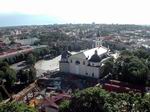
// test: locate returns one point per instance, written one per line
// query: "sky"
(19, 12)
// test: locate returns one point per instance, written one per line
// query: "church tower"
(98, 42)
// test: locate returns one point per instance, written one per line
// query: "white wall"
(64, 67)
(80, 69)
(83, 69)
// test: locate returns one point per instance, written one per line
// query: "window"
(92, 74)
(83, 62)
(77, 62)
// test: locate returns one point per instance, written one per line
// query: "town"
(49, 68)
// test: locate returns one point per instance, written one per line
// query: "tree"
(132, 70)
(3, 64)
(95, 99)
(64, 106)
(107, 68)
(32, 74)
(24, 76)
(16, 107)
(141, 53)
(2, 74)
(10, 76)
(31, 59)
(88, 100)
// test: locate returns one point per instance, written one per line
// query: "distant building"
(5, 40)
(29, 41)
(85, 63)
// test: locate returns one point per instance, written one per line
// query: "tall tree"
(132, 69)
(31, 59)
(32, 74)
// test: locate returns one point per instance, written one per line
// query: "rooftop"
(89, 53)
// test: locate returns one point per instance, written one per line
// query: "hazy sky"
(82, 11)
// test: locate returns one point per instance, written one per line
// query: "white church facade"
(86, 63)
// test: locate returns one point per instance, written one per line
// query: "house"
(86, 63)
(29, 41)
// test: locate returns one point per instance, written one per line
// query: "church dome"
(95, 58)
(65, 55)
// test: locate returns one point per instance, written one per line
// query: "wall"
(83, 69)
(64, 67)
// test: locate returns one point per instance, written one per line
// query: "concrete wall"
(80, 69)
(83, 68)
(64, 67)
(93, 71)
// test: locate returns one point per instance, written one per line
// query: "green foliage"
(32, 74)
(38, 53)
(16, 107)
(31, 59)
(95, 99)
(10, 76)
(7, 73)
(24, 76)
(1, 74)
(64, 106)
(107, 68)
(88, 100)
(126, 53)
(141, 53)
(132, 69)
(27, 76)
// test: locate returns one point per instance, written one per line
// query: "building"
(86, 63)
(29, 41)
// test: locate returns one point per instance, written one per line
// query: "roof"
(95, 58)
(65, 54)
(89, 53)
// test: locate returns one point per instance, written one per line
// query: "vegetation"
(31, 59)
(95, 99)
(8, 76)
(107, 68)
(16, 107)
(27, 76)
(6, 73)
(132, 67)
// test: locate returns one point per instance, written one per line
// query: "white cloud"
(100, 11)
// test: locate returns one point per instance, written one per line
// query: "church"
(86, 63)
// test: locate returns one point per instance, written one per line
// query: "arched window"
(77, 62)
